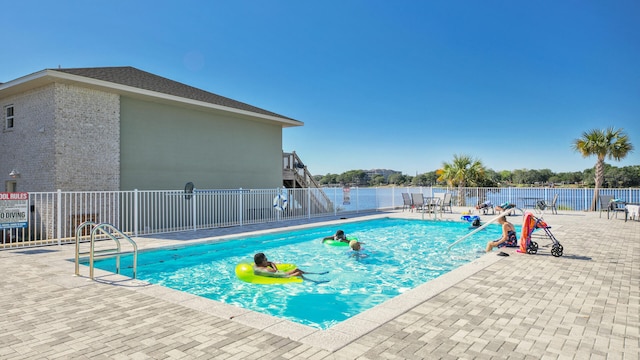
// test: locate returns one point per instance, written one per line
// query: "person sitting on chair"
(508, 238)
(484, 205)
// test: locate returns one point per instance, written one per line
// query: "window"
(8, 110)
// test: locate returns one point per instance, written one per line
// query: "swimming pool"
(401, 254)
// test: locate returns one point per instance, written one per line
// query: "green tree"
(399, 179)
(328, 179)
(610, 143)
(506, 176)
(463, 171)
(377, 180)
(353, 178)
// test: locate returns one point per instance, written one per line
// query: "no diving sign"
(14, 210)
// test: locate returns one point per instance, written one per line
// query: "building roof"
(130, 76)
(129, 80)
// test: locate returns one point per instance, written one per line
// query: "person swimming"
(356, 250)
(339, 236)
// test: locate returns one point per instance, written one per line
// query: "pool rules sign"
(14, 210)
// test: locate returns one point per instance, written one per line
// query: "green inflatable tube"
(340, 243)
(244, 272)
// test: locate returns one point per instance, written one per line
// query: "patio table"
(632, 210)
(531, 202)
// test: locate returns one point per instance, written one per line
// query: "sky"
(402, 85)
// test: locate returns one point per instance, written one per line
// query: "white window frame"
(9, 118)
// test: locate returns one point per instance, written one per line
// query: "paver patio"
(583, 305)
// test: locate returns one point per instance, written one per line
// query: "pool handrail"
(108, 230)
(78, 235)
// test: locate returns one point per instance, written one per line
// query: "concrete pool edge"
(331, 339)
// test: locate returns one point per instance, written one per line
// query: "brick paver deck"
(583, 305)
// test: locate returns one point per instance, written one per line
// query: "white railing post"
(335, 201)
(135, 212)
(241, 200)
(309, 202)
(59, 218)
(586, 201)
(393, 197)
(194, 209)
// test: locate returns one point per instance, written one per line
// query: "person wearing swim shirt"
(508, 238)
(265, 267)
(339, 236)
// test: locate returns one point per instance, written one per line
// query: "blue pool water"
(401, 254)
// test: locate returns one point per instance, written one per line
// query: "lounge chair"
(406, 202)
(485, 207)
(506, 207)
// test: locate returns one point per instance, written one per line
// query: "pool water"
(397, 255)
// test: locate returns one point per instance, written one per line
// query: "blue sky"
(401, 85)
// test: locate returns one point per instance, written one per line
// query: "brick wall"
(87, 139)
(28, 147)
(64, 137)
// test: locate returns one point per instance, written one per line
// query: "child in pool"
(339, 236)
(268, 268)
(356, 248)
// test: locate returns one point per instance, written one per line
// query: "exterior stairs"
(295, 175)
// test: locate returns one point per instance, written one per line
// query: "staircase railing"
(292, 164)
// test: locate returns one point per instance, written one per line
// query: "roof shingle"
(130, 76)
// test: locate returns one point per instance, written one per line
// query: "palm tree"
(610, 143)
(462, 171)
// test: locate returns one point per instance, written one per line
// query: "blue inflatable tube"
(470, 218)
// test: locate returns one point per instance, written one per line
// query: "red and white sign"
(14, 210)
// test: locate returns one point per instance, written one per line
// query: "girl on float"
(265, 267)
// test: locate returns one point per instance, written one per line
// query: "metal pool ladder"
(110, 232)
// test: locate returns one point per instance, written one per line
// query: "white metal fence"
(54, 216)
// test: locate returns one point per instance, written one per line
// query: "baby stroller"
(529, 225)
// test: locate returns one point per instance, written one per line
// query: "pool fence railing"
(54, 216)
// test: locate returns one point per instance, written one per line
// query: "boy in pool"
(339, 236)
(265, 267)
(356, 246)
